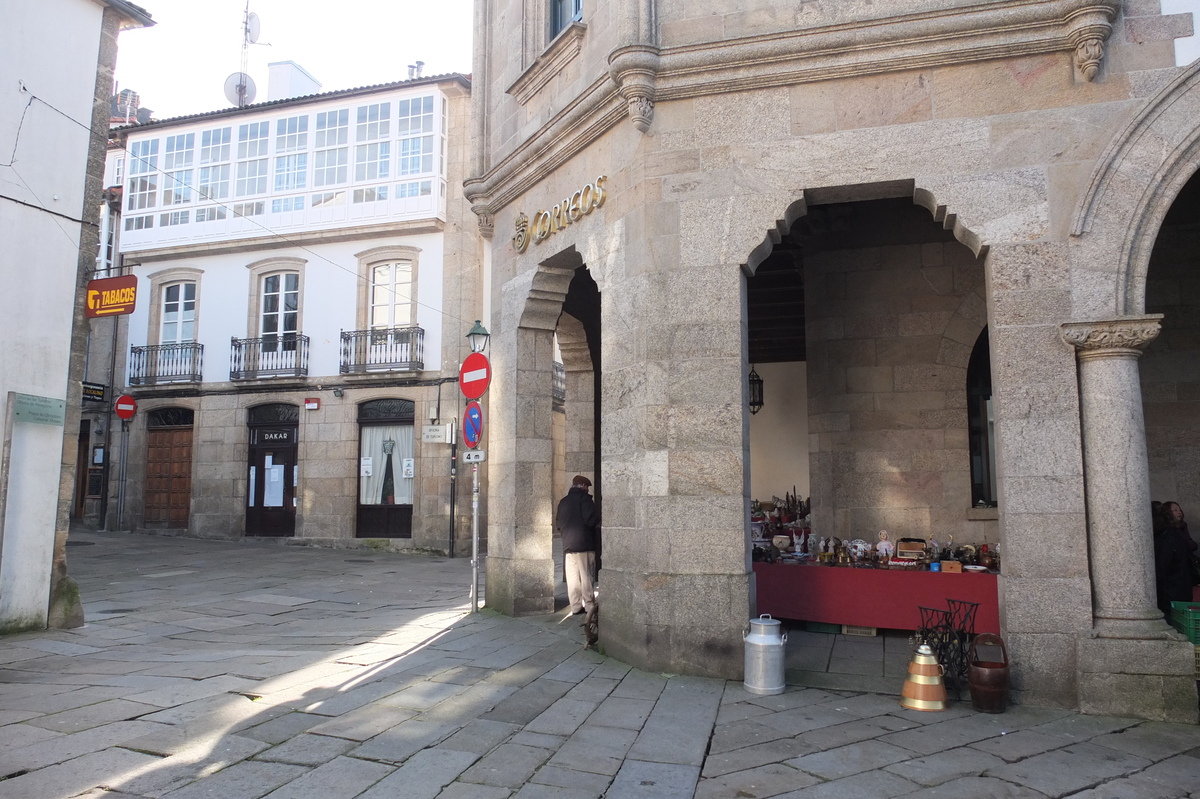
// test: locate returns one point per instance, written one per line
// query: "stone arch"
(866, 191)
(1133, 186)
(520, 564)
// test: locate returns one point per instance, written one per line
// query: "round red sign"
(126, 407)
(475, 375)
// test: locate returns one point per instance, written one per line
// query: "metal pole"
(108, 423)
(453, 482)
(475, 538)
(123, 473)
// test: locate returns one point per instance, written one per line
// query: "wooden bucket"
(988, 679)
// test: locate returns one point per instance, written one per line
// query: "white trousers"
(581, 593)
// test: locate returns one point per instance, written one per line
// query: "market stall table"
(887, 598)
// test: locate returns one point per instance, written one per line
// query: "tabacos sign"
(111, 296)
(571, 209)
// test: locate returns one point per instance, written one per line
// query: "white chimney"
(288, 79)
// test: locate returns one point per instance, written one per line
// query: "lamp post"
(477, 337)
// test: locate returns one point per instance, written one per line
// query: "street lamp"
(756, 391)
(478, 337)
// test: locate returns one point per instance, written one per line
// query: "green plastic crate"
(822, 627)
(1185, 617)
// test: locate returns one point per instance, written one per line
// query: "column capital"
(1127, 335)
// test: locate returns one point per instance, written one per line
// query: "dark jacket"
(1172, 567)
(577, 521)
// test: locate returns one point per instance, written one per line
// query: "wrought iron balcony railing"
(383, 349)
(560, 383)
(269, 356)
(166, 363)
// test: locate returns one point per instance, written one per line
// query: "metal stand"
(475, 538)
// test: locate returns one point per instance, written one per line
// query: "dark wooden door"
(271, 508)
(168, 477)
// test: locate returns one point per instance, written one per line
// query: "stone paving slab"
(1074, 768)
(75, 776)
(342, 777)
(346, 679)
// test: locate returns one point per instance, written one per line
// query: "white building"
(305, 284)
(55, 79)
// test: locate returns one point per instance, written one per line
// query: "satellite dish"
(239, 89)
(253, 27)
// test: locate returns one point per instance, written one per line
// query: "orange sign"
(111, 296)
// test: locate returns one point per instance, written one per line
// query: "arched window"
(981, 425)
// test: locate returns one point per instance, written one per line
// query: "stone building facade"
(307, 283)
(983, 211)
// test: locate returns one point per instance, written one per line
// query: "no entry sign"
(126, 407)
(473, 424)
(475, 375)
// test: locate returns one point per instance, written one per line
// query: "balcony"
(559, 386)
(385, 349)
(269, 356)
(166, 363)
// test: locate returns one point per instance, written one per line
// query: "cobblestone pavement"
(239, 670)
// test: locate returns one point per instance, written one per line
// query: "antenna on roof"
(239, 87)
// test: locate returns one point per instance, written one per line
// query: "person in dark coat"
(1172, 560)
(578, 522)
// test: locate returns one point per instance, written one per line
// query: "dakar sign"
(571, 209)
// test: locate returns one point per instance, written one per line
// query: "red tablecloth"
(870, 597)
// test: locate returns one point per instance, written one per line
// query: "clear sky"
(179, 66)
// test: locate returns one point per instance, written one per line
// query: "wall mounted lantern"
(756, 391)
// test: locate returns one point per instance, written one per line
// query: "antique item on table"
(952, 567)
(859, 549)
(985, 558)
(885, 548)
(910, 554)
(782, 542)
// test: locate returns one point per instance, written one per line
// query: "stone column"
(1120, 542)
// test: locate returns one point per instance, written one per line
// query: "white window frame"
(179, 312)
(332, 157)
(252, 164)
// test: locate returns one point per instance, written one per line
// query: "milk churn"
(764, 656)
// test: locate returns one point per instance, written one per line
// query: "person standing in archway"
(578, 522)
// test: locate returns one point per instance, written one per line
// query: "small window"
(563, 13)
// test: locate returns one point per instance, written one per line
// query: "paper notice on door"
(273, 489)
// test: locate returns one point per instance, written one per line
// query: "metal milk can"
(764, 656)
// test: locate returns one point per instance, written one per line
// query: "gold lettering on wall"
(571, 209)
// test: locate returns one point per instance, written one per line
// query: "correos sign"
(572, 209)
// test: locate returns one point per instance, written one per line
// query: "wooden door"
(168, 477)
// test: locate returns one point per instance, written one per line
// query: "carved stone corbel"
(487, 226)
(635, 70)
(487, 221)
(1089, 30)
